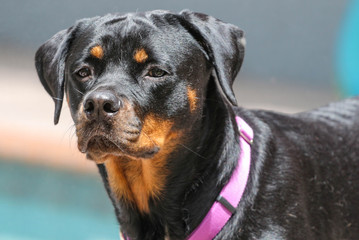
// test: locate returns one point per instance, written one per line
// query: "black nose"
(100, 105)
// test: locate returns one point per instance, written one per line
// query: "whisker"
(199, 155)
(70, 128)
(79, 91)
(67, 133)
(73, 130)
(149, 138)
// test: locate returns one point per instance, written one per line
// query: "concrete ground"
(26, 113)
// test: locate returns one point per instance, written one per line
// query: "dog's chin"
(100, 149)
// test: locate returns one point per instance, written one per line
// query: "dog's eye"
(84, 72)
(156, 72)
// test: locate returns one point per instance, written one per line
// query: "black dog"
(151, 97)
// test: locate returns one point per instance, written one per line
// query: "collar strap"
(226, 203)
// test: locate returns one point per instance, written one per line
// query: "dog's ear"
(50, 64)
(224, 44)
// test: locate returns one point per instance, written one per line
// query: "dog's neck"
(220, 150)
(179, 191)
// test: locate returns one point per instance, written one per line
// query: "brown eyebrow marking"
(97, 52)
(140, 55)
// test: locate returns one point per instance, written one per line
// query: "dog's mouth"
(100, 143)
(99, 146)
(125, 136)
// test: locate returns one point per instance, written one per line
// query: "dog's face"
(131, 88)
(136, 84)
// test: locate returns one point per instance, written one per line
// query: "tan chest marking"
(137, 180)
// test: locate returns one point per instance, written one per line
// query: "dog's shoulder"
(344, 113)
(330, 128)
(341, 114)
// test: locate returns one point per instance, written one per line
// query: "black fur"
(304, 177)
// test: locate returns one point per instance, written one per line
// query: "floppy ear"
(224, 44)
(50, 63)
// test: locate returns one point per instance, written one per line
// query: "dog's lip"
(98, 139)
(115, 148)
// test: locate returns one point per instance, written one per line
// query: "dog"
(151, 97)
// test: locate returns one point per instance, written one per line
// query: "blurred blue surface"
(348, 51)
(37, 203)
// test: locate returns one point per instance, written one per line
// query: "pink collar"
(225, 205)
(228, 199)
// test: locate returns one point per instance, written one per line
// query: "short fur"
(151, 97)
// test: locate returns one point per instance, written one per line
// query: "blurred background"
(300, 54)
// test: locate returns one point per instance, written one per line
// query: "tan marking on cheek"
(140, 55)
(192, 98)
(97, 52)
(154, 131)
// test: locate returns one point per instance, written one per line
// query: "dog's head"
(136, 83)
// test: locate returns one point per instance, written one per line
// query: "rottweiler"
(152, 101)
